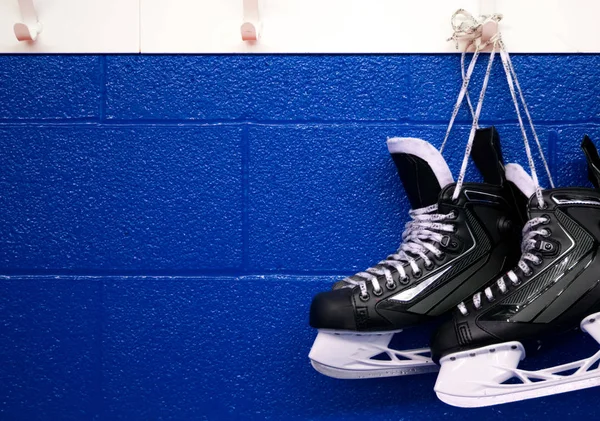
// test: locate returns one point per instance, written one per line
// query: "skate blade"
(547, 390)
(349, 355)
(478, 377)
(340, 373)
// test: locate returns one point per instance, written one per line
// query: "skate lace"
(528, 243)
(470, 25)
(470, 29)
(424, 233)
(530, 234)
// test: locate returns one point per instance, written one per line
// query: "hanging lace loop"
(530, 234)
(468, 97)
(474, 125)
(470, 29)
(425, 233)
(461, 95)
(526, 109)
(512, 81)
(466, 26)
(509, 78)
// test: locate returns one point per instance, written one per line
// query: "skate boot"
(450, 249)
(554, 287)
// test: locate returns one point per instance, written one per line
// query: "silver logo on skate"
(559, 200)
(478, 196)
(411, 293)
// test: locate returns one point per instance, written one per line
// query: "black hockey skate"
(450, 249)
(554, 287)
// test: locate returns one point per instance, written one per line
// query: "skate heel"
(480, 377)
(465, 372)
(345, 355)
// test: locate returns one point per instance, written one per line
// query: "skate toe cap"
(333, 310)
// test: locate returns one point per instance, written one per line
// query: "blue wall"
(165, 221)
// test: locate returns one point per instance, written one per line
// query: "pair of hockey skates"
(506, 261)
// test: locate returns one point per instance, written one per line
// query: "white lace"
(467, 28)
(470, 25)
(421, 235)
(529, 234)
(528, 243)
(462, 93)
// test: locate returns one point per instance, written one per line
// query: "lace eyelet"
(528, 273)
(547, 233)
(454, 229)
(544, 206)
(429, 266)
(404, 280)
(378, 292)
(364, 297)
(539, 261)
(445, 242)
(546, 219)
(417, 274)
(441, 256)
(453, 215)
(390, 286)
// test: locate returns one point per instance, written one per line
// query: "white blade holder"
(250, 29)
(30, 27)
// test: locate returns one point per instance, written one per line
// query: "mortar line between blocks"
(213, 275)
(114, 123)
(245, 150)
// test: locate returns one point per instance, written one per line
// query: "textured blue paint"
(49, 88)
(332, 209)
(51, 350)
(104, 200)
(557, 88)
(166, 220)
(257, 88)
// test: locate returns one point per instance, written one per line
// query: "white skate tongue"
(422, 169)
(517, 175)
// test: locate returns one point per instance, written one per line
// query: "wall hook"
(250, 29)
(30, 27)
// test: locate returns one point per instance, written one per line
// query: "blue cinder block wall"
(165, 221)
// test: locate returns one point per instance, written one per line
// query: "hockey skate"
(450, 249)
(461, 236)
(554, 287)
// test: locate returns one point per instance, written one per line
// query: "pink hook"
(30, 28)
(250, 27)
